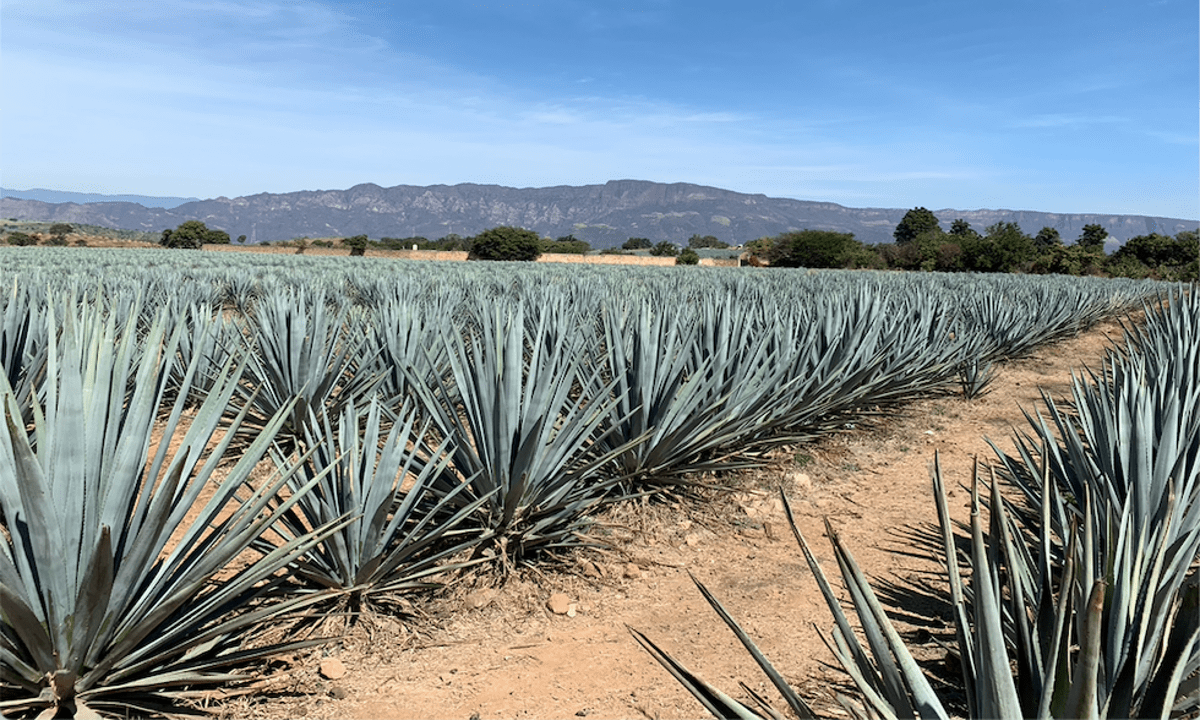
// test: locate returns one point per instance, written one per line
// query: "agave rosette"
(107, 593)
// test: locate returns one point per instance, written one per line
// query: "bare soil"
(482, 650)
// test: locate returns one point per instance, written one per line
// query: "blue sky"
(1053, 105)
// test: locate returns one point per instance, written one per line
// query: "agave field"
(197, 448)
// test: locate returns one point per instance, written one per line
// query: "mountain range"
(603, 215)
(63, 196)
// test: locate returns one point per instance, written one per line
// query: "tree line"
(498, 243)
(58, 233)
(920, 244)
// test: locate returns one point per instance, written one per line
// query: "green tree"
(962, 229)
(506, 243)
(1093, 236)
(940, 251)
(1154, 250)
(450, 242)
(21, 239)
(637, 243)
(192, 235)
(949, 257)
(758, 250)
(1126, 266)
(60, 231)
(1069, 260)
(1005, 248)
(1156, 255)
(815, 249)
(931, 250)
(567, 244)
(665, 249)
(357, 245)
(1047, 238)
(688, 257)
(915, 222)
(706, 241)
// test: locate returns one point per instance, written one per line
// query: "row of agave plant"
(1079, 595)
(411, 428)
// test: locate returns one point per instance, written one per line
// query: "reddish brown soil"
(498, 652)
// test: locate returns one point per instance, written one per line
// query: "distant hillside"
(59, 196)
(603, 215)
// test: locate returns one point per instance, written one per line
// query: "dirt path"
(503, 654)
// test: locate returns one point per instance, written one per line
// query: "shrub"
(506, 243)
(357, 245)
(664, 249)
(60, 230)
(451, 242)
(814, 249)
(567, 244)
(706, 241)
(688, 257)
(1161, 256)
(21, 239)
(192, 235)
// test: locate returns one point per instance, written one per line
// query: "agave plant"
(209, 339)
(1127, 457)
(303, 348)
(862, 350)
(975, 377)
(662, 395)
(1085, 600)
(108, 597)
(1007, 617)
(401, 531)
(23, 343)
(405, 342)
(523, 416)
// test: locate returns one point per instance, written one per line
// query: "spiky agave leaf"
(1127, 457)
(211, 339)
(100, 609)
(405, 341)
(401, 531)
(523, 416)
(712, 698)
(885, 672)
(975, 377)
(888, 678)
(305, 347)
(659, 396)
(23, 342)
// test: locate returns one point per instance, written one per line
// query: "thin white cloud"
(1067, 120)
(1172, 138)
